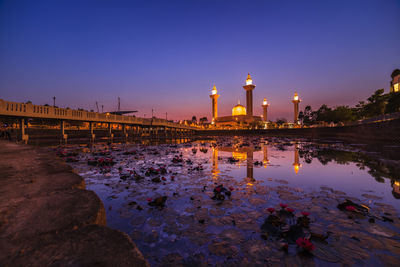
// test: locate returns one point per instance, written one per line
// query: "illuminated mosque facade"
(241, 116)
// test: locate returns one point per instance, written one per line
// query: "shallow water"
(194, 229)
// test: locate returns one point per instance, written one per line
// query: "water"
(194, 229)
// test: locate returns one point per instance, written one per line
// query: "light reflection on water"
(339, 174)
(255, 168)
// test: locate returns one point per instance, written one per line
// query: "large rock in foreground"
(47, 218)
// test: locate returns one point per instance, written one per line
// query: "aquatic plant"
(305, 244)
(271, 210)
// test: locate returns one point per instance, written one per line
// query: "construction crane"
(121, 112)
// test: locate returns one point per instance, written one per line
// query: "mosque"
(242, 117)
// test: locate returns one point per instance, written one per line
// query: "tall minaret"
(249, 87)
(265, 109)
(296, 100)
(214, 96)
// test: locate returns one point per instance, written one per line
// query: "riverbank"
(48, 218)
(385, 132)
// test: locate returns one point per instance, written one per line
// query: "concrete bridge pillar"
(124, 133)
(24, 137)
(164, 133)
(134, 132)
(141, 131)
(64, 137)
(91, 132)
(156, 132)
(110, 134)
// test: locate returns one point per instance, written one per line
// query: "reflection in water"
(265, 154)
(250, 173)
(296, 163)
(396, 189)
(247, 154)
(214, 171)
(307, 152)
(238, 153)
(377, 170)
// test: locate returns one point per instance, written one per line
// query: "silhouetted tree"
(280, 121)
(376, 104)
(203, 120)
(393, 103)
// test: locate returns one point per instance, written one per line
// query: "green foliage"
(377, 104)
(203, 120)
(393, 103)
(280, 121)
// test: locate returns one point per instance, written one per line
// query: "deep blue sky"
(167, 55)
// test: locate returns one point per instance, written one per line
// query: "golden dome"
(238, 110)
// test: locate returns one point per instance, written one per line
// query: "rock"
(373, 197)
(53, 221)
(172, 259)
(158, 202)
(87, 246)
(156, 180)
(223, 248)
(233, 236)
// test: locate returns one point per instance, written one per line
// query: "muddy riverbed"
(278, 203)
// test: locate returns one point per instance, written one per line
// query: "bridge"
(130, 125)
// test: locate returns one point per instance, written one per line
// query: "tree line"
(377, 104)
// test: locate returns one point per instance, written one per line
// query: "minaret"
(265, 109)
(214, 97)
(249, 87)
(296, 100)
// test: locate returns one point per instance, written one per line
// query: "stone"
(223, 248)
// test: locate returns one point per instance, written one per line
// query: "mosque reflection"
(242, 154)
(307, 153)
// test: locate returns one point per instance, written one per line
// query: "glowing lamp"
(296, 97)
(249, 81)
(265, 102)
(214, 90)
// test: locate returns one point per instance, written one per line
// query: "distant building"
(242, 117)
(395, 82)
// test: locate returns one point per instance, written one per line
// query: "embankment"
(48, 218)
(386, 132)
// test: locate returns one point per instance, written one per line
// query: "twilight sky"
(166, 55)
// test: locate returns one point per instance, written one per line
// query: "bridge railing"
(28, 110)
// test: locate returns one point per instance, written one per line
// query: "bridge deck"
(21, 110)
